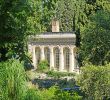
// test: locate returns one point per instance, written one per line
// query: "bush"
(12, 80)
(59, 74)
(32, 94)
(66, 95)
(48, 94)
(55, 93)
(95, 82)
(43, 65)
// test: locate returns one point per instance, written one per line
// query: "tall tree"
(18, 19)
(95, 46)
(47, 14)
(71, 14)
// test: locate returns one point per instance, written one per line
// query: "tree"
(17, 20)
(71, 14)
(74, 14)
(47, 14)
(95, 46)
(95, 5)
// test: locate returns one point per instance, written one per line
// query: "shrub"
(48, 94)
(55, 93)
(66, 95)
(59, 74)
(95, 81)
(43, 65)
(12, 80)
(32, 94)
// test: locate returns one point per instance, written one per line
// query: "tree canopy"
(17, 20)
(20, 18)
(95, 46)
(16, 17)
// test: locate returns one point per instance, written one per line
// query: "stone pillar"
(29, 48)
(34, 57)
(72, 62)
(51, 58)
(61, 65)
(42, 53)
(55, 25)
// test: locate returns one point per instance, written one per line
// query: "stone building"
(58, 48)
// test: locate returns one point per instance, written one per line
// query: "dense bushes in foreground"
(53, 93)
(12, 80)
(13, 85)
(95, 82)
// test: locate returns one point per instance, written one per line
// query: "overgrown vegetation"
(95, 46)
(95, 82)
(13, 85)
(90, 21)
(43, 65)
(53, 93)
(12, 80)
(32, 94)
(66, 95)
(59, 74)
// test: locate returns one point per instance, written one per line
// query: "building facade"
(58, 48)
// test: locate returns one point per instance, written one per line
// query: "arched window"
(66, 58)
(56, 58)
(37, 55)
(47, 54)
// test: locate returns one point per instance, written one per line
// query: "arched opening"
(56, 58)
(37, 55)
(66, 58)
(47, 54)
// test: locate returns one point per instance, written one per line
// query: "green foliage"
(95, 46)
(12, 80)
(43, 65)
(53, 93)
(65, 95)
(32, 94)
(47, 13)
(18, 19)
(74, 14)
(21, 18)
(95, 81)
(71, 14)
(59, 74)
(48, 94)
(95, 5)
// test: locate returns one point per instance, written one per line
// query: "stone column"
(29, 48)
(42, 53)
(51, 58)
(72, 62)
(34, 57)
(61, 65)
